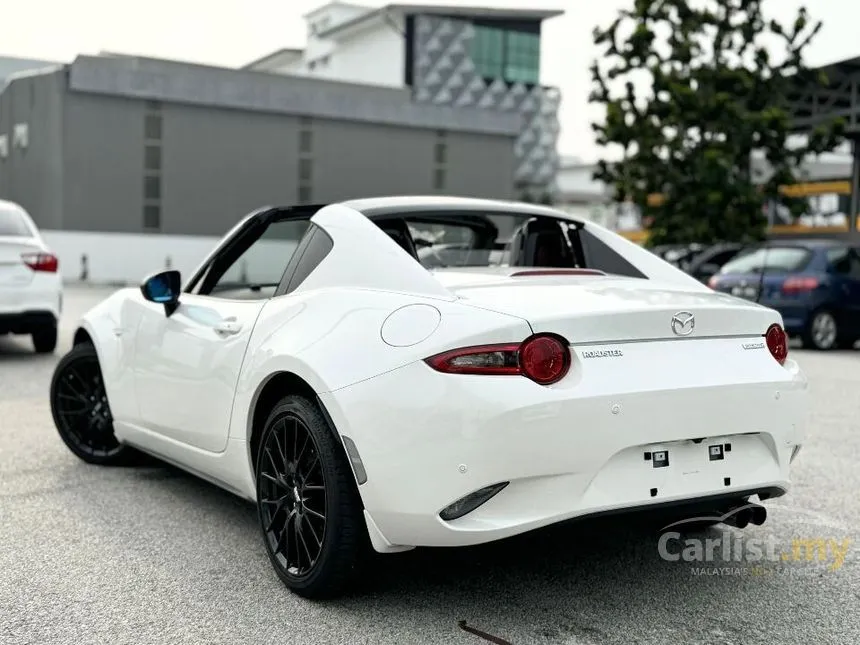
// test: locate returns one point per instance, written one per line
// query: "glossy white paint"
(23, 290)
(357, 331)
(410, 325)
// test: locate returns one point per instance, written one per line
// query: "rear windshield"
(770, 260)
(13, 224)
(473, 240)
(476, 239)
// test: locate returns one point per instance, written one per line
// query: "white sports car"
(552, 370)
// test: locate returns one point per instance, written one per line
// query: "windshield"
(13, 224)
(770, 260)
(478, 240)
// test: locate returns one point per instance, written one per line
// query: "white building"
(446, 55)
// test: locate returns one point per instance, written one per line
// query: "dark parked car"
(814, 284)
(680, 255)
(709, 262)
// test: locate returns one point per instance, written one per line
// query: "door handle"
(228, 327)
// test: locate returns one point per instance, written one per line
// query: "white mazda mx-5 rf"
(543, 369)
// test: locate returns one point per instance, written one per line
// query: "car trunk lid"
(14, 272)
(600, 309)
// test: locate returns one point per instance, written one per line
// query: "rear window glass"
(770, 260)
(13, 224)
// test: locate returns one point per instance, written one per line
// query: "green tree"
(691, 89)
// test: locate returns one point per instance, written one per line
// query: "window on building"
(510, 55)
(152, 158)
(151, 217)
(305, 140)
(441, 152)
(522, 57)
(152, 127)
(439, 179)
(488, 51)
(152, 188)
(305, 169)
(304, 194)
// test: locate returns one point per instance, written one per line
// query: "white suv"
(31, 291)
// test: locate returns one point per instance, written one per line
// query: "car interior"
(539, 242)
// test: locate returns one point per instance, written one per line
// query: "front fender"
(110, 326)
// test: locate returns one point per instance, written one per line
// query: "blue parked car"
(814, 284)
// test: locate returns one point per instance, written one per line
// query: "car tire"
(310, 512)
(81, 412)
(45, 340)
(822, 331)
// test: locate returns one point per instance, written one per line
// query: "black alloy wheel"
(81, 411)
(308, 504)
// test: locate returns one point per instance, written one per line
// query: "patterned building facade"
(495, 65)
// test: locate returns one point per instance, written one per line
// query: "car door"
(187, 363)
(852, 280)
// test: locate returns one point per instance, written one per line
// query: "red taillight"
(713, 282)
(45, 262)
(777, 343)
(799, 285)
(544, 359)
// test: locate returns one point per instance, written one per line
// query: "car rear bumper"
(26, 322)
(426, 440)
(38, 303)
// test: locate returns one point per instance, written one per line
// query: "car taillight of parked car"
(799, 285)
(42, 262)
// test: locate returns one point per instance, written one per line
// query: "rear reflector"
(543, 358)
(799, 285)
(470, 502)
(777, 343)
(42, 262)
(550, 272)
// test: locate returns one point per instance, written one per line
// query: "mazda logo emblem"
(683, 323)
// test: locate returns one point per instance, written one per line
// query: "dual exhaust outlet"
(744, 515)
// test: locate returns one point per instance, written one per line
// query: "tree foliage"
(691, 88)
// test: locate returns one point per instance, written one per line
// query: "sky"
(234, 32)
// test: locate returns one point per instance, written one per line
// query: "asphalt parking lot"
(151, 555)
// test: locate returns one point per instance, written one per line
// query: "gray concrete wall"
(103, 160)
(219, 164)
(85, 169)
(33, 176)
(481, 166)
(172, 81)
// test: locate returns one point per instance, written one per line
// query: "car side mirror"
(163, 288)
